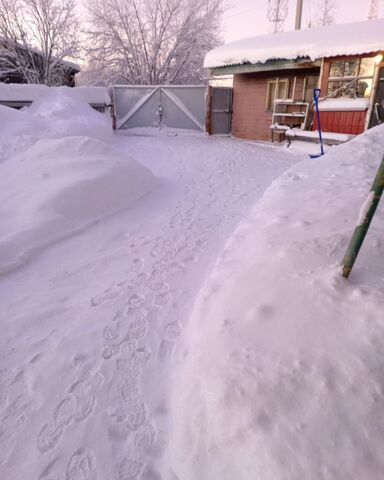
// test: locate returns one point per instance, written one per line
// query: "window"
(310, 83)
(277, 90)
(351, 78)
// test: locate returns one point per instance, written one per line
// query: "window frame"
(305, 84)
(352, 80)
(275, 82)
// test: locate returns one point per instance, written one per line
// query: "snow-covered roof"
(314, 43)
(344, 104)
(66, 63)
(22, 92)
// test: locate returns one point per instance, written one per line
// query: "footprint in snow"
(65, 412)
(49, 437)
(166, 349)
(144, 437)
(172, 330)
(80, 465)
(129, 469)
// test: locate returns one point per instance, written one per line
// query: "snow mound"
(281, 374)
(21, 92)
(59, 112)
(58, 187)
(66, 113)
(16, 92)
(94, 95)
(17, 122)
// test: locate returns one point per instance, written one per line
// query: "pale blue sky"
(246, 18)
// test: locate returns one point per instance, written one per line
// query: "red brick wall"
(250, 119)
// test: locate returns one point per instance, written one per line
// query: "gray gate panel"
(148, 106)
(191, 101)
(147, 115)
(174, 117)
(126, 97)
(221, 113)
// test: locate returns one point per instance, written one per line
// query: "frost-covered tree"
(373, 10)
(36, 37)
(277, 14)
(151, 41)
(326, 12)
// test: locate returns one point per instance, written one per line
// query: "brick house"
(274, 77)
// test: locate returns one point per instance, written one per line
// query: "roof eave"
(270, 66)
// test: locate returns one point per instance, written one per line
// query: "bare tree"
(36, 37)
(277, 14)
(326, 9)
(151, 41)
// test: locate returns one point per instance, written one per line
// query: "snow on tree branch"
(36, 39)
(151, 41)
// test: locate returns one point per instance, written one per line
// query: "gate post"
(365, 218)
(113, 110)
(208, 121)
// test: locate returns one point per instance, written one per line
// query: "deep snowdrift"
(60, 112)
(281, 375)
(63, 111)
(56, 186)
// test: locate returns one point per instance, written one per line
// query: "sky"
(247, 18)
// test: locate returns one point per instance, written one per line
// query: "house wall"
(352, 122)
(250, 118)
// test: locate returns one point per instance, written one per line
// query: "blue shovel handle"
(316, 96)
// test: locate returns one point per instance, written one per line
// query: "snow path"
(90, 327)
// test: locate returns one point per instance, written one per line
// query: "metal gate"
(220, 110)
(172, 106)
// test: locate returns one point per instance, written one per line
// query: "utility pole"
(299, 14)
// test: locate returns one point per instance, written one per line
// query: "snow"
(90, 325)
(56, 186)
(60, 112)
(343, 104)
(365, 209)
(60, 186)
(12, 92)
(64, 112)
(279, 373)
(95, 95)
(19, 92)
(114, 366)
(339, 137)
(314, 43)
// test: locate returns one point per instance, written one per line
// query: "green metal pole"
(367, 212)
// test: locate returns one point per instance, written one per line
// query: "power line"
(242, 12)
(277, 13)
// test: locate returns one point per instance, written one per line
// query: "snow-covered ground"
(281, 371)
(91, 324)
(147, 334)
